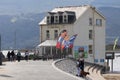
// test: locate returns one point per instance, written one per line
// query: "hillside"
(26, 28)
(112, 22)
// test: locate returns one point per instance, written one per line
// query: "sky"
(38, 6)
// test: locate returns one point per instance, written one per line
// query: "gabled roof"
(77, 10)
(99, 13)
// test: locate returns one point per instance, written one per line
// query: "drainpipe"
(93, 8)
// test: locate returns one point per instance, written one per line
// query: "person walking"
(26, 55)
(13, 55)
(18, 56)
(81, 65)
(8, 55)
(1, 57)
(78, 67)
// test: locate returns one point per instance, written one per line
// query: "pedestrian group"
(12, 56)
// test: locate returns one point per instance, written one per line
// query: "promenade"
(32, 70)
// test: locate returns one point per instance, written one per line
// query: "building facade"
(85, 21)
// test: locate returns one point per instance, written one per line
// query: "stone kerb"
(53, 64)
(95, 71)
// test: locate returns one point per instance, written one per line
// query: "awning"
(48, 43)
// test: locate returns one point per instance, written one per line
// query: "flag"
(65, 42)
(115, 43)
(71, 41)
(68, 43)
(61, 38)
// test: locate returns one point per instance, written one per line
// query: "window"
(90, 21)
(52, 19)
(48, 19)
(90, 49)
(90, 34)
(56, 19)
(47, 34)
(98, 22)
(65, 19)
(55, 34)
(71, 18)
(60, 19)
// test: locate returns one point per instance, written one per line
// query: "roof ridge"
(74, 6)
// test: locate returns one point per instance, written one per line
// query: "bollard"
(0, 58)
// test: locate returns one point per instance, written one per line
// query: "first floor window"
(90, 21)
(90, 34)
(55, 34)
(90, 49)
(47, 34)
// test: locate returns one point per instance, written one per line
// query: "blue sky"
(38, 6)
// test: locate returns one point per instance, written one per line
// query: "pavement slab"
(31, 70)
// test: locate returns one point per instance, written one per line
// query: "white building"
(85, 21)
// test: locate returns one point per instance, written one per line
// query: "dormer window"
(60, 17)
(52, 19)
(48, 20)
(68, 17)
(71, 18)
(65, 19)
(56, 19)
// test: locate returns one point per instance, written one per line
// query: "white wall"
(81, 27)
(51, 28)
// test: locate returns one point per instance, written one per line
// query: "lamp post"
(0, 52)
(0, 42)
(15, 40)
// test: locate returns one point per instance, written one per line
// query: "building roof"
(48, 43)
(78, 10)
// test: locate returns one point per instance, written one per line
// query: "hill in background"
(26, 29)
(112, 23)
(23, 29)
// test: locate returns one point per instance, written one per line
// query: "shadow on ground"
(3, 75)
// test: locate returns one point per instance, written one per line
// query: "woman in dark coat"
(18, 56)
(8, 55)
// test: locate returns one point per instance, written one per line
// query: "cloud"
(13, 20)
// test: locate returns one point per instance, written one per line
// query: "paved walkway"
(31, 70)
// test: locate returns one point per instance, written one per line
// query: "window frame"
(90, 21)
(56, 19)
(48, 19)
(65, 18)
(55, 34)
(98, 22)
(90, 47)
(47, 34)
(90, 34)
